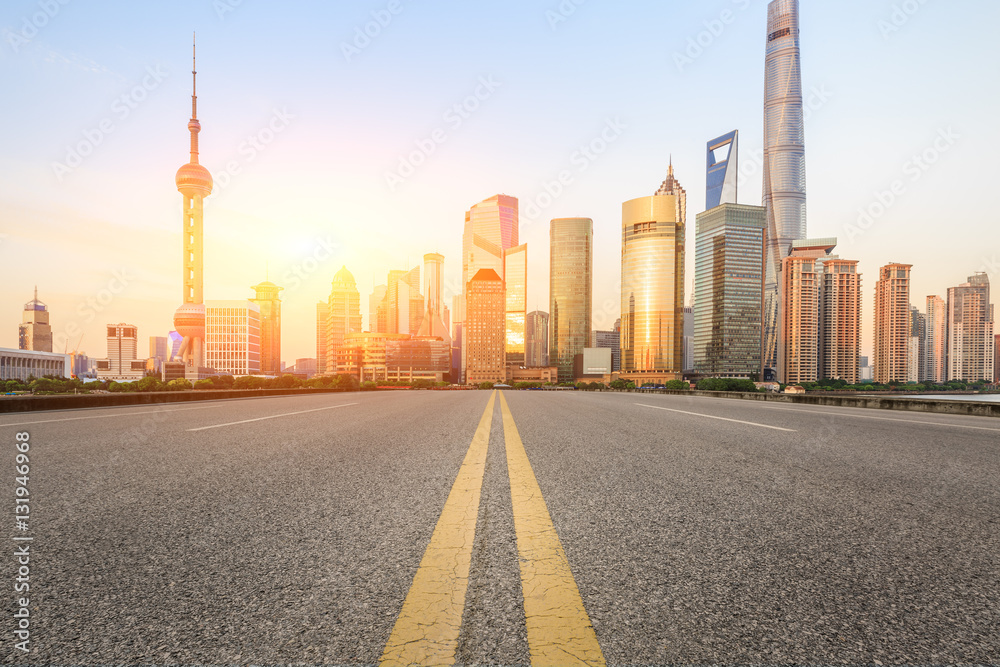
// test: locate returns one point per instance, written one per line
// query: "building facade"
(571, 287)
(537, 343)
(784, 156)
(892, 324)
(936, 344)
(728, 287)
(799, 310)
(268, 298)
(343, 316)
(35, 331)
(515, 263)
(652, 301)
(232, 337)
(840, 321)
(123, 363)
(609, 340)
(918, 338)
(23, 364)
(322, 327)
(485, 329)
(434, 323)
(970, 330)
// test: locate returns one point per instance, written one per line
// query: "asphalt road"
(697, 530)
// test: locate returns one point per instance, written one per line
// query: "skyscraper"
(491, 229)
(840, 321)
(537, 345)
(515, 270)
(194, 182)
(892, 324)
(344, 315)
(376, 307)
(268, 299)
(918, 344)
(404, 304)
(485, 329)
(936, 357)
(970, 330)
(35, 333)
(571, 288)
(433, 324)
(722, 177)
(799, 310)
(652, 302)
(322, 327)
(232, 337)
(728, 285)
(784, 156)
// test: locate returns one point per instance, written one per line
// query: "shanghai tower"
(784, 159)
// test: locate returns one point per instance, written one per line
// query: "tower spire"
(194, 126)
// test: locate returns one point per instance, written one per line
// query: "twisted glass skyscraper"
(784, 157)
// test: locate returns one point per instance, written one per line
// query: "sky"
(359, 132)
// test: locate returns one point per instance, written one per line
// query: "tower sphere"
(189, 320)
(195, 178)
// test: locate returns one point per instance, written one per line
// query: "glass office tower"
(515, 265)
(784, 157)
(653, 230)
(571, 289)
(728, 284)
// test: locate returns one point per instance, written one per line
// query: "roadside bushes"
(727, 384)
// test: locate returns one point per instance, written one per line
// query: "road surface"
(626, 528)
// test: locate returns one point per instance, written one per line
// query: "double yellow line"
(428, 626)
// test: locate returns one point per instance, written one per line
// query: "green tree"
(485, 385)
(202, 385)
(368, 385)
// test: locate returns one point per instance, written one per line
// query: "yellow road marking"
(426, 631)
(559, 629)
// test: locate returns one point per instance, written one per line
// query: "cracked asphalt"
(696, 531)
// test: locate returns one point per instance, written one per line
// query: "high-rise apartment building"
(936, 344)
(784, 156)
(970, 330)
(996, 358)
(571, 287)
(892, 324)
(799, 310)
(515, 263)
(344, 315)
(232, 337)
(485, 328)
(268, 298)
(122, 364)
(918, 343)
(840, 321)
(35, 332)
(537, 335)
(728, 287)
(652, 301)
(322, 328)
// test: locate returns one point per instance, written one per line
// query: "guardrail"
(76, 401)
(979, 409)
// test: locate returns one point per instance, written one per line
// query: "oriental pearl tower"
(195, 183)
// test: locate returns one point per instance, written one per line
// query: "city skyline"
(98, 277)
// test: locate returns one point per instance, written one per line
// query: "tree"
(677, 385)
(180, 384)
(148, 383)
(485, 385)
(369, 386)
(202, 385)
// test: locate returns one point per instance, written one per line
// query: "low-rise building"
(22, 364)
